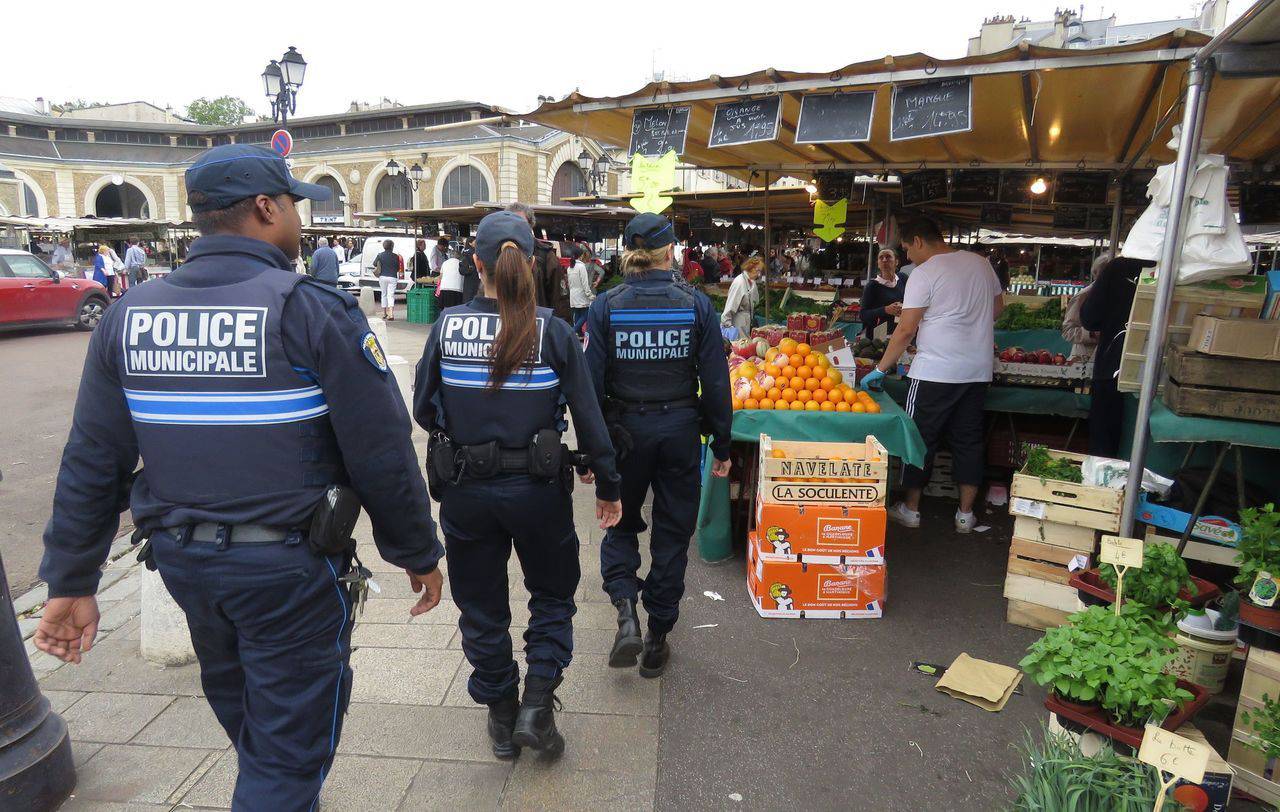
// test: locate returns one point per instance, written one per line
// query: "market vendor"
(744, 295)
(882, 297)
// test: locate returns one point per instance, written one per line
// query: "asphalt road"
(41, 372)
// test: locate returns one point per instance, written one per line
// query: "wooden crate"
(1231, 297)
(1042, 593)
(1080, 539)
(1196, 550)
(1066, 502)
(1033, 615)
(1232, 404)
(1261, 678)
(1191, 368)
(1044, 561)
(834, 473)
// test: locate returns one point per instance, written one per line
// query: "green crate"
(422, 304)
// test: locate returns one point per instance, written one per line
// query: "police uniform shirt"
(452, 390)
(338, 365)
(653, 336)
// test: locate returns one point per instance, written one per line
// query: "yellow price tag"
(649, 178)
(1177, 755)
(828, 218)
(1120, 551)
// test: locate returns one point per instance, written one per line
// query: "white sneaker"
(903, 515)
(965, 522)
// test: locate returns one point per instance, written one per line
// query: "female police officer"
(651, 342)
(491, 387)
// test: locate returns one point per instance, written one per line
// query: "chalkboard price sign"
(745, 122)
(829, 118)
(1259, 205)
(975, 186)
(993, 215)
(1075, 218)
(1015, 186)
(1081, 188)
(922, 187)
(931, 108)
(833, 184)
(1133, 189)
(658, 130)
(700, 220)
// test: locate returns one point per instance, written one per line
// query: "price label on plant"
(1027, 507)
(1177, 755)
(1121, 552)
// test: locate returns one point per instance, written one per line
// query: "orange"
(812, 406)
(834, 374)
(804, 371)
(774, 393)
(873, 408)
(757, 392)
(772, 370)
(781, 405)
(804, 396)
(811, 360)
(858, 408)
(819, 395)
(788, 372)
(828, 406)
(828, 383)
(841, 406)
(804, 349)
(788, 394)
(737, 404)
(812, 384)
(766, 403)
(796, 383)
(778, 454)
(823, 362)
(851, 396)
(797, 406)
(751, 403)
(747, 370)
(796, 360)
(787, 346)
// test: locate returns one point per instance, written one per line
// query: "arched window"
(569, 182)
(464, 186)
(123, 200)
(331, 210)
(30, 203)
(394, 193)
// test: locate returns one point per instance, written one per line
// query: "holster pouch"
(333, 522)
(142, 536)
(442, 463)
(619, 435)
(482, 461)
(545, 454)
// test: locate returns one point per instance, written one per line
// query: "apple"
(1018, 357)
(1046, 357)
(1060, 360)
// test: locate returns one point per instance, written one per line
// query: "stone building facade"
(68, 167)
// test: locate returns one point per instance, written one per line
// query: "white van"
(357, 272)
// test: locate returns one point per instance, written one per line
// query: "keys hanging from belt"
(359, 581)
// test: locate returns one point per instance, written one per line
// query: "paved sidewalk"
(144, 738)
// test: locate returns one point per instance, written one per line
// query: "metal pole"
(1170, 256)
(871, 238)
(767, 241)
(1113, 239)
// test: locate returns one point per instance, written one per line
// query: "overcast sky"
(503, 53)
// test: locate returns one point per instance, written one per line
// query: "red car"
(33, 293)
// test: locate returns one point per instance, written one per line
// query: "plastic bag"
(1108, 473)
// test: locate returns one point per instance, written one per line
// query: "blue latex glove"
(874, 381)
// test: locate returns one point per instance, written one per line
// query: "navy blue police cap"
(232, 172)
(648, 231)
(499, 228)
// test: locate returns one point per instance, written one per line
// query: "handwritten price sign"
(1121, 552)
(1177, 755)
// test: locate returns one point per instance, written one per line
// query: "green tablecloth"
(1167, 427)
(892, 427)
(1018, 399)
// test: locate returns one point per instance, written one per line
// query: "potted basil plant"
(1259, 558)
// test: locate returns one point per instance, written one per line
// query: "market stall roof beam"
(1157, 81)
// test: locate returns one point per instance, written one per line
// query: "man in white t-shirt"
(950, 306)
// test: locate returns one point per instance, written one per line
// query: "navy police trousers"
(272, 631)
(665, 458)
(482, 520)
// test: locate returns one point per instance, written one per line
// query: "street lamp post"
(596, 169)
(281, 80)
(414, 173)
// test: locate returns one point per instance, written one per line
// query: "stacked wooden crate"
(1255, 773)
(1056, 526)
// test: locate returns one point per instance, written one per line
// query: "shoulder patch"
(373, 352)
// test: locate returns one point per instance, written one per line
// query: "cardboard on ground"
(1170, 753)
(1120, 551)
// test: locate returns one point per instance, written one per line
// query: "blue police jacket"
(453, 394)
(247, 390)
(642, 339)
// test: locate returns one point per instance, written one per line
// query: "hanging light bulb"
(1039, 186)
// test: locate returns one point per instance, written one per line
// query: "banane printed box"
(796, 589)
(822, 534)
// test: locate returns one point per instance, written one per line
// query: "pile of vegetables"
(1157, 583)
(870, 348)
(1115, 660)
(1057, 777)
(1045, 466)
(1018, 316)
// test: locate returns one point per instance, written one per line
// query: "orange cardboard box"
(822, 534)
(799, 589)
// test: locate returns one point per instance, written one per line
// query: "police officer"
(491, 387)
(651, 341)
(263, 407)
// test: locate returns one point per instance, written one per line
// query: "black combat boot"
(536, 721)
(627, 643)
(502, 719)
(656, 653)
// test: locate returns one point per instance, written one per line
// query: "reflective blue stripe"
(652, 317)
(226, 408)
(539, 374)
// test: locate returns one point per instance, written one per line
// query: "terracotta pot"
(1078, 707)
(1260, 617)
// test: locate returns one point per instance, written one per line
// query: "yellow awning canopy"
(1100, 108)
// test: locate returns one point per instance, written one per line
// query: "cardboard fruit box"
(804, 473)
(823, 534)
(795, 589)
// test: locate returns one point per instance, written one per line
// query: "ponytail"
(518, 334)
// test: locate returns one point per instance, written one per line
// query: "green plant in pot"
(1265, 723)
(1056, 776)
(1162, 576)
(1113, 660)
(1259, 553)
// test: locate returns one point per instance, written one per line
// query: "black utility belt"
(448, 463)
(649, 406)
(219, 533)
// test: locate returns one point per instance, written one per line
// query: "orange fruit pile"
(805, 381)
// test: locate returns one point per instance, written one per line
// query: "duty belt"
(217, 533)
(658, 406)
(510, 461)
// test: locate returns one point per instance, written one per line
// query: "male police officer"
(650, 342)
(250, 392)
